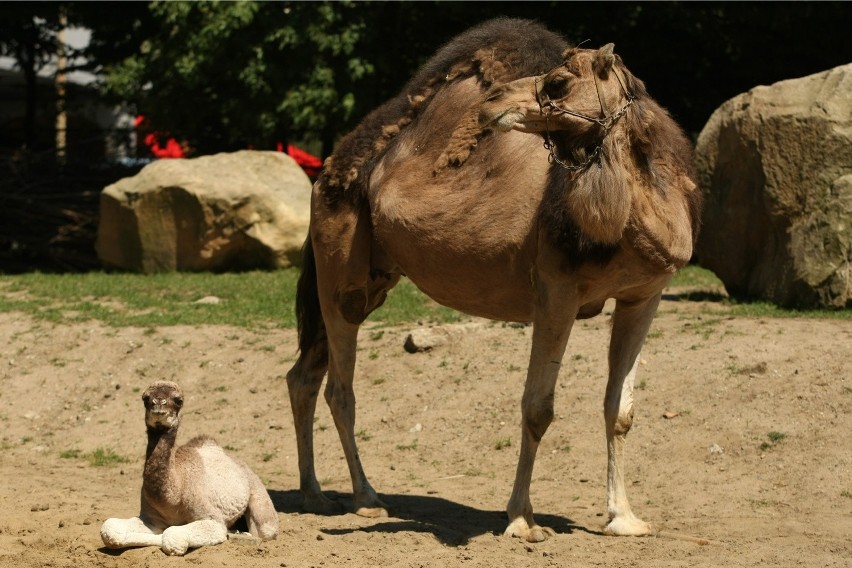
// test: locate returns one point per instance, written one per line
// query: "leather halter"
(607, 121)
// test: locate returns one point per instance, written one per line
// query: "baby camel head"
(163, 402)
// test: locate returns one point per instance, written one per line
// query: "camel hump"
(496, 51)
(199, 441)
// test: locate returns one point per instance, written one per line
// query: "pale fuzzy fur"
(192, 494)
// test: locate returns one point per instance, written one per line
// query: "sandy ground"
(439, 437)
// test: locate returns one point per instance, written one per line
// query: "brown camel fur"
(482, 218)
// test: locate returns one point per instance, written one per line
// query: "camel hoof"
(520, 529)
(372, 512)
(628, 526)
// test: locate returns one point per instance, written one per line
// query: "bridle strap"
(601, 99)
(607, 122)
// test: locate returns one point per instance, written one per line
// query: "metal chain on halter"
(606, 122)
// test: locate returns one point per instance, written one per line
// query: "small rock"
(668, 415)
(40, 507)
(423, 340)
(320, 537)
(212, 300)
(416, 428)
(716, 449)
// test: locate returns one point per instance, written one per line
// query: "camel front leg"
(550, 336)
(126, 533)
(630, 323)
(178, 539)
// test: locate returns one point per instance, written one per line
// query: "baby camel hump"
(225, 483)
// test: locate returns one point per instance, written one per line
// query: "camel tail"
(308, 315)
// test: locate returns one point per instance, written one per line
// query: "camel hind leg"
(304, 381)
(343, 286)
(261, 516)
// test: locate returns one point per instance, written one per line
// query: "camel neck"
(158, 456)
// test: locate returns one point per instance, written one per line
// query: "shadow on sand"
(453, 524)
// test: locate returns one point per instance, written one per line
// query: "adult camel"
(513, 179)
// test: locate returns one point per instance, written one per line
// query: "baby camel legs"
(174, 541)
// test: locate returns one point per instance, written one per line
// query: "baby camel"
(191, 494)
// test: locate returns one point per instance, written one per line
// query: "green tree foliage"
(228, 75)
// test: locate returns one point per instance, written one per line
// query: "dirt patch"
(741, 437)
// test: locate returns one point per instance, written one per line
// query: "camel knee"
(620, 421)
(267, 531)
(114, 533)
(537, 418)
(353, 306)
(302, 382)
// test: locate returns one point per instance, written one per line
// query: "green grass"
(105, 457)
(101, 457)
(695, 276)
(249, 299)
(774, 439)
(704, 285)
(265, 299)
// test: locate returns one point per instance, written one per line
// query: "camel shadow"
(453, 524)
(695, 296)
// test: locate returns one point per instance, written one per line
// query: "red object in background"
(172, 149)
(310, 163)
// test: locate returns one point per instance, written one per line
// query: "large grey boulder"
(239, 210)
(776, 167)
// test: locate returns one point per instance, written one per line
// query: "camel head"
(579, 97)
(163, 402)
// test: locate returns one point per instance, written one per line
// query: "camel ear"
(604, 60)
(568, 53)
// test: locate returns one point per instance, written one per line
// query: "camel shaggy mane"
(494, 52)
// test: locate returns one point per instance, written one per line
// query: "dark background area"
(693, 56)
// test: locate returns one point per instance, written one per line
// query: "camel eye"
(556, 87)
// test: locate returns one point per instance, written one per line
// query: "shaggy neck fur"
(598, 197)
(642, 188)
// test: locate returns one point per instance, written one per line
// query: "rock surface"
(231, 211)
(776, 167)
